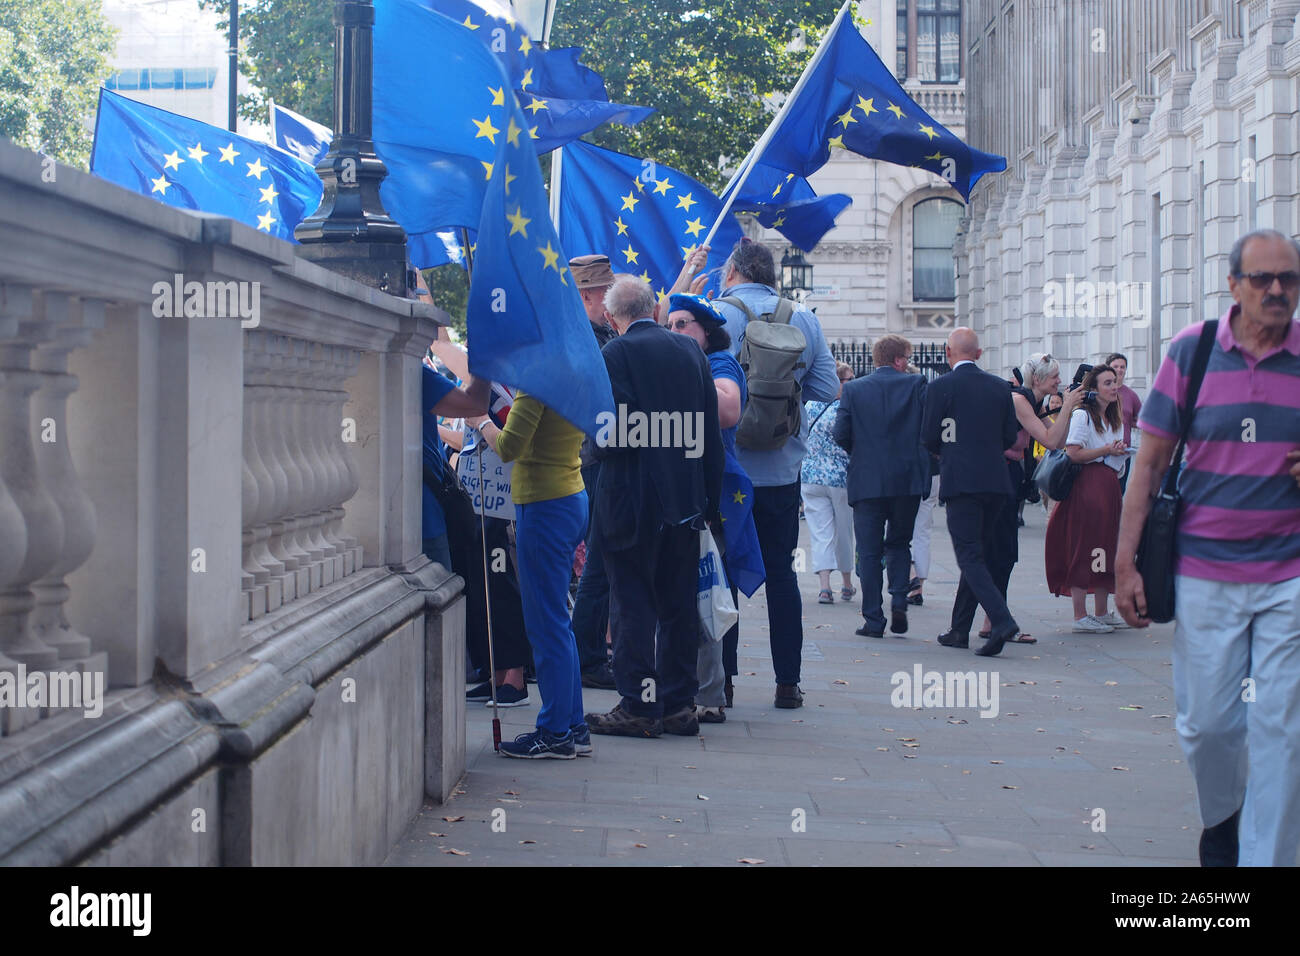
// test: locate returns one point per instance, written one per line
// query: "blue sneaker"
(581, 739)
(540, 744)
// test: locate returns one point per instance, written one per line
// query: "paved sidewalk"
(1085, 727)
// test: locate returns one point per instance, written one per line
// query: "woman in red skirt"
(1084, 529)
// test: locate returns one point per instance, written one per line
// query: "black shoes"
(993, 646)
(898, 621)
(683, 723)
(866, 631)
(788, 696)
(601, 678)
(619, 723)
(1219, 843)
(953, 639)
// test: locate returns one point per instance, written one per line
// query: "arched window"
(934, 227)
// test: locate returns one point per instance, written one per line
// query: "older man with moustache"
(969, 421)
(1237, 585)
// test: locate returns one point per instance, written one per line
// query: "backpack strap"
(1196, 374)
(739, 304)
(784, 312)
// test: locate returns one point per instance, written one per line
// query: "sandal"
(914, 595)
(846, 594)
(1021, 638)
(825, 597)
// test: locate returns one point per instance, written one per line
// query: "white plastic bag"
(717, 611)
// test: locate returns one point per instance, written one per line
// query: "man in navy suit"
(660, 480)
(879, 425)
(969, 421)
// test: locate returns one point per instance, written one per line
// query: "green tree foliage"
(449, 285)
(53, 58)
(287, 52)
(706, 66)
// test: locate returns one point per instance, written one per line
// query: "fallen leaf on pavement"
(453, 819)
(911, 745)
(700, 796)
(906, 739)
(454, 852)
(886, 749)
(1008, 786)
(1112, 683)
(1158, 716)
(1119, 768)
(838, 681)
(522, 842)
(640, 846)
(511, 793)
(839, 778)
(995, 761)
(431, 833)
(753, 861)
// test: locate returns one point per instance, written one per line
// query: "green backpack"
(771, 351)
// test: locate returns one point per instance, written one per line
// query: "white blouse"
(1083, 434)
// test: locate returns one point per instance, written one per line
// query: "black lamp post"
(796, 275)
(351, 233)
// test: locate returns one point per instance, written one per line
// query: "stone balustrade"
(206, 505)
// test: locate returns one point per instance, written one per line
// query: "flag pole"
(482, 527)
(557, 178)
(738, 180)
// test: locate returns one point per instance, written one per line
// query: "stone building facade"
(1142, 138)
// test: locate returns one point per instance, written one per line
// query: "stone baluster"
(348, 361)
(13, 526)
(19, 473)
(72, 323)
(328, 441)
(308, 409)
(265, 462)
(280, 441)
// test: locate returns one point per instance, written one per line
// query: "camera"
(1080, 374)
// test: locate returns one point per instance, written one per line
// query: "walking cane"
(482, 525)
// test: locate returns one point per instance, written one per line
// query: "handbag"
(1054, 475)
(717, 610)
(1157, 556)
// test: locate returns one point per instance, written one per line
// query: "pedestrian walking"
(823, 479)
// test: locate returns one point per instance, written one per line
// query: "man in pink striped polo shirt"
(1237, 637)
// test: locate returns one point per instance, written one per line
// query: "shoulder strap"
(1195, 375)
(819, 416)
(739, 303)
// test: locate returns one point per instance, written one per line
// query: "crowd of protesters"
(865, 461)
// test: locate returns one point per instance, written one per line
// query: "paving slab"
(850, 778)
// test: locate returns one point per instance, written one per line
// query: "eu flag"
(852, 101)
(295, 133)
(563, 98)
(526, 325)
(648, 217)
(743, 557)
(191, 165)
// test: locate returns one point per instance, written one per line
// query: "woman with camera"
(1084, 528)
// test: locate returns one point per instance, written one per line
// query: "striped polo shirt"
(1241, 507)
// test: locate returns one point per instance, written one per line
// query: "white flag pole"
(738, 180)
(557, 177)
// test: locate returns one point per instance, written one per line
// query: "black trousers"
(510, 645)
(654, 621)
(977, 526)
(1001, 558)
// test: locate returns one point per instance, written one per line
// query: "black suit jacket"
(656, 373)
(879, 425)
(973, 410)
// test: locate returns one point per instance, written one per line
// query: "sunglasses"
(680, 324)
(1290, 281)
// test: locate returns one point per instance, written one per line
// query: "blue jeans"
(883, 526)
(776, 518)
(546, 534)
(591, 604)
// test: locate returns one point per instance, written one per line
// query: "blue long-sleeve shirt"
(817, 378)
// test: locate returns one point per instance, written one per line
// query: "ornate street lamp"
(536, 16)
(351, 233)
(796, 275)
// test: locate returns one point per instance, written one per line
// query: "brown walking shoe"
(683, 723)
(619, 723)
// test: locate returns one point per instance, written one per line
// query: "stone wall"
(220, 521)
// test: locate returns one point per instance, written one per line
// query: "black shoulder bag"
(1157, 556)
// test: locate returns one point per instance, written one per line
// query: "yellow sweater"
(545, 449)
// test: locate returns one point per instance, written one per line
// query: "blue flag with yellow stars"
(525, 322)
(562, 98)
(191, 165)
(648, 217)
(744, 557)
(852, 101)
(310, 141)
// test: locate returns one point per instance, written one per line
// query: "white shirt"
(1083, 434)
